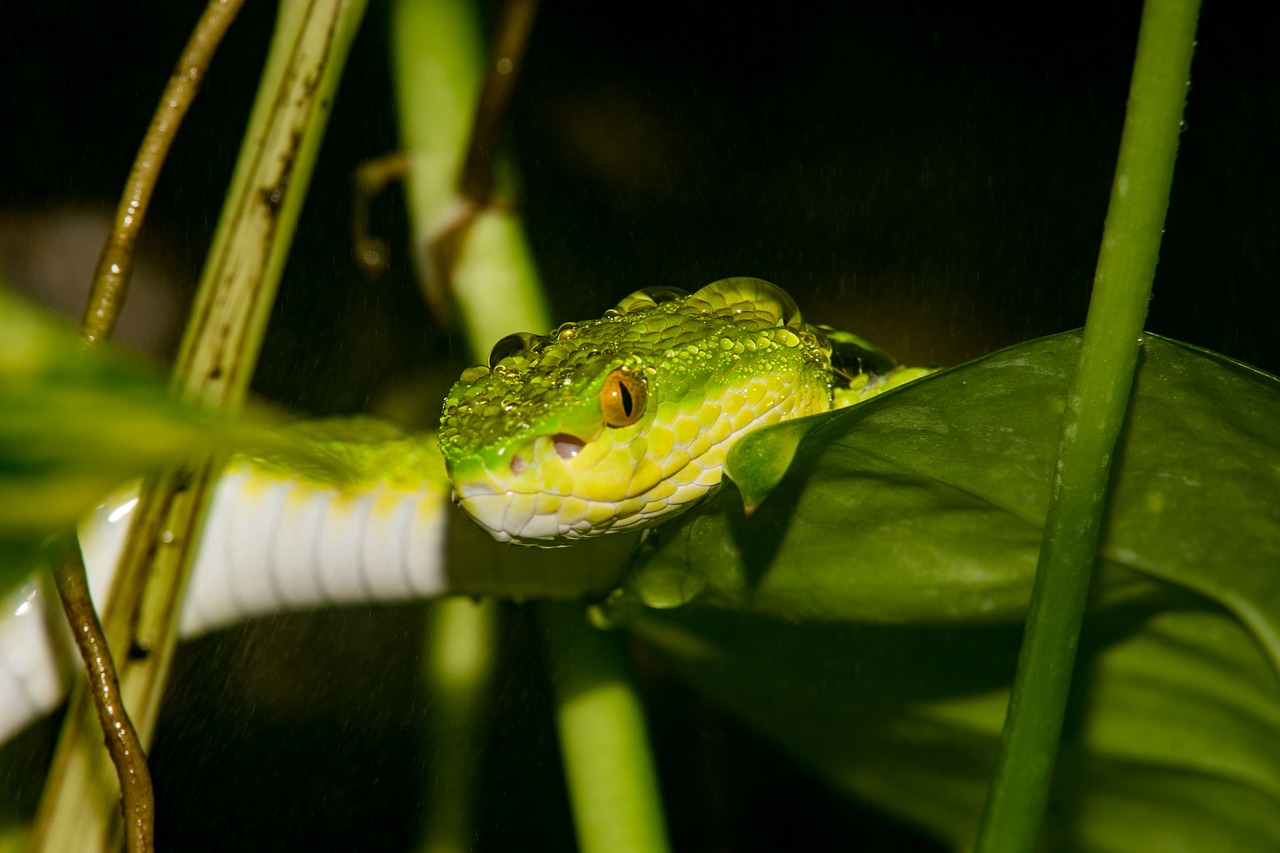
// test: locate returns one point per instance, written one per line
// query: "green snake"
(604, 425)
(624, 421)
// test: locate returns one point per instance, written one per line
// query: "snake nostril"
(518, 464)
(567, 446)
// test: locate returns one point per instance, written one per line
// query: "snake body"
(602, 426)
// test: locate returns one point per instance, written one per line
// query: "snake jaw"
(576, 480)
(557, 488)
(525, 492)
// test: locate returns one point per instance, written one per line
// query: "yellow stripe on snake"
(601, 426)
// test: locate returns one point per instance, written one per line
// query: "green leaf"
(923, 508)
(1174, 744)
(757, 467)
(926, 504)
(76, 423)
(1197, 502)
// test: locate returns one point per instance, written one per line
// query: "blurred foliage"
(76, 423)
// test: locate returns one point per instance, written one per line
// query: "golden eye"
(622, 398)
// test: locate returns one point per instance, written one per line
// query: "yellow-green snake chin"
(618, 422)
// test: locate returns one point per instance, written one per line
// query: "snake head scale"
(607, 424)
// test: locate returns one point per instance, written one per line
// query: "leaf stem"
(1095, 412)
(613, 785)
(470, 254)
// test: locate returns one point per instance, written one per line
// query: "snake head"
(610, 424)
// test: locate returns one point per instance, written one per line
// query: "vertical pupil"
(625, 396)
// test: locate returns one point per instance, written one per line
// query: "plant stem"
(137, 800)
(466, 253)
(115, 266)
(110, 284)
(214, 366)
(1095, 413)
(475, 254)
(458, 666)
(477, 177)
(613, 786)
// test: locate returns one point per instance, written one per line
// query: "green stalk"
(604, 745)
(493, 283)
(1095, 413)
(437, 66)
(488, 270)
(458, 667)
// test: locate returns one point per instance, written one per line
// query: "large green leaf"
(926, 504)
(921, 511)
(1173, 744)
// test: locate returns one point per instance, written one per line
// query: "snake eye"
(623, 397)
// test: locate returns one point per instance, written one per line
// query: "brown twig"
(307, 55)
(115, 265)
(111, 281)
(371, 179)
(137, 801)
(476, 180)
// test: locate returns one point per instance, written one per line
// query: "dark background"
(932, 175)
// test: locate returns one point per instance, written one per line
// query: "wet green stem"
(1095, 412)
(461, 645)
(604, 745)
